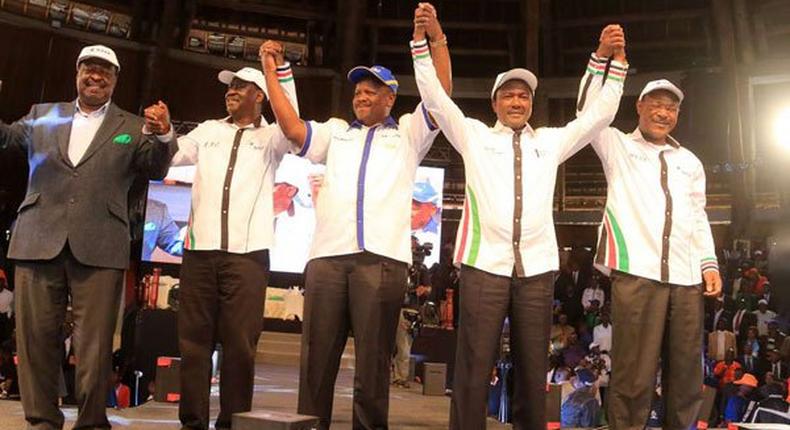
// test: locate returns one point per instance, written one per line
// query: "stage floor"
(275, 389)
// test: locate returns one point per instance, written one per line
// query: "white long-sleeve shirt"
(232, 192)
(654, 224)
(508, 169)
(365, 199)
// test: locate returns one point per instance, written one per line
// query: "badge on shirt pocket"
(122, 139)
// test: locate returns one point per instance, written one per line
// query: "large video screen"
(168, 206)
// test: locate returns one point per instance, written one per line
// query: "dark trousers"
(651, 321)
(221, 301)
(362, 292)
(487, 300)
(42, 293)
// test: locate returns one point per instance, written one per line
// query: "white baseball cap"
(248, 74)
(662, 84)
(520, 74)
(101, 52)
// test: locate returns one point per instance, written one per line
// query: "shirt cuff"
(161, 137)
(285, 73)
(307, 139)
(419, 50)
(710, 264)
(616, 71)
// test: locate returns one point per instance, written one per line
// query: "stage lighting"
(782, 129)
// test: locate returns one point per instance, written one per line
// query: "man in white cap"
(225, 269)
(764, 316)
(656, 243)
(506, 245)
(71, 237)
(356, 276)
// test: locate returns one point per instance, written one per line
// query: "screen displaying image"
(296, 180)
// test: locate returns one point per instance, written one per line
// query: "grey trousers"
(486, 299)
(651, 321)
(42, 292)
(362, 292)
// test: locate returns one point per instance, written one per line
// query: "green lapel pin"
(122, 139)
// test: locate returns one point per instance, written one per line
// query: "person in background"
(738, 403)
(581, 408)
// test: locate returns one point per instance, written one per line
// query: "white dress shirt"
(763, 318)
(603, 336)
(499, 162)
(654, 224)
(364, 203)
(84, 126)
(232, 193)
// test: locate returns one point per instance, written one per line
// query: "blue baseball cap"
(381, 73)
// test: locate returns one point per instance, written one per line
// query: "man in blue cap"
(356, 275)
(581, 408)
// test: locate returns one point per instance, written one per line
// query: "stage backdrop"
(296, 181)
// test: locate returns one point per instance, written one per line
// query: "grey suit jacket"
(84, 205)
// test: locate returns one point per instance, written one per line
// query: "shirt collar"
(637, 135)
(389, 122)
(260, 122)
(501, 128)
(98, 112)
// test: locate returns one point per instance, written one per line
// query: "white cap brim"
(227, 76)
(515, 74)
(662, 84)
(100, 52)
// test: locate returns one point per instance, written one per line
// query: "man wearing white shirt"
(602, 333)
(764, 316)
(657, 244)
(71, 237)
(506, 244)
(225, 268)
(356, 275)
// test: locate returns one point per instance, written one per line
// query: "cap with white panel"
(247, 74)
(515, 74)
(101, 52)
(662, 84)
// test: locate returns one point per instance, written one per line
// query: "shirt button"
(226, 188)
(518, 197)
(75, 174)
(71, 200)
(224, 212)
(667, 213)
(230, 168)
(515, 243)
(517, 220)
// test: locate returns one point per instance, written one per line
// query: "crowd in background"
(746, 349)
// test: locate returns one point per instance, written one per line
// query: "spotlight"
(782, 129)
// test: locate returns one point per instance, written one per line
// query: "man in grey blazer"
(71, 239)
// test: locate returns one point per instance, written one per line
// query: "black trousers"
(487, 300)
(42, 294)
(651, 321)
(362, 292)
(221, 301)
